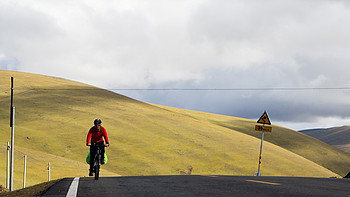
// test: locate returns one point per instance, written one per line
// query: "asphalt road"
(194, 185)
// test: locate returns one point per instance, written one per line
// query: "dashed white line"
(73, 189)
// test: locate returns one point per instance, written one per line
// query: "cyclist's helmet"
(97, 122)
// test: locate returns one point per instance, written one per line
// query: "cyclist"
(95, 136)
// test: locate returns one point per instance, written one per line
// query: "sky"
(238, 57)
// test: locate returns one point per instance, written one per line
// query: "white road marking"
(73, 189)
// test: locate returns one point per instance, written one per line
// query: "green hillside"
(53, 116)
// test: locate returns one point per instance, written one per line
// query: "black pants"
(93, 151)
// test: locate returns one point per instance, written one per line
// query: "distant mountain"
(338, 137)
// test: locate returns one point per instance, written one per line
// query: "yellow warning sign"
(263, 128)
(264, 119)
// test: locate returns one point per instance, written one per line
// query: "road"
(195, 185)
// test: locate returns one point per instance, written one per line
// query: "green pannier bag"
(88, 158)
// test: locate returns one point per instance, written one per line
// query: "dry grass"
(53, 117)
(36, 190)
(296, 142)
(37, 167)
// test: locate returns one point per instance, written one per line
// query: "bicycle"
(97, 159)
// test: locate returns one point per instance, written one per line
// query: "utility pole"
(12, 125)
(11, 112)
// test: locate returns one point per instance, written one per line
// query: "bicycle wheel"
(97, 165)
(97, 171)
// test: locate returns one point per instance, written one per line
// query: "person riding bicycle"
(95, 136)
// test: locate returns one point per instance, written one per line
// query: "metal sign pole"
(260, 155)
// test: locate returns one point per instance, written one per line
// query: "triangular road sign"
(264, 119)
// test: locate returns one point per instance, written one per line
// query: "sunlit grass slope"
(53, 116)
(296, 142)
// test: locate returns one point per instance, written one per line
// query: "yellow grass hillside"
(53, 116)
(296, 142)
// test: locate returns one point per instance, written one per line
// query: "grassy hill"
(296, 142)
(53, 116)
(338, 137)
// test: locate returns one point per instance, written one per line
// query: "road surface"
(195, 185)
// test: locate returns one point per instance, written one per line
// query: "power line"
(230, 89)
(199, 89)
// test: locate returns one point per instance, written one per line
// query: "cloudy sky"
(275, 55)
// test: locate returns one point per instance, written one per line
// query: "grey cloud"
(191, 44)
(8, 62)
(25, 24)
(283, 105)
(296, 107)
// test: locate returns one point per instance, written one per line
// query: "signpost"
(264, 119)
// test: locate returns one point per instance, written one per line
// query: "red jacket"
(97, 136)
